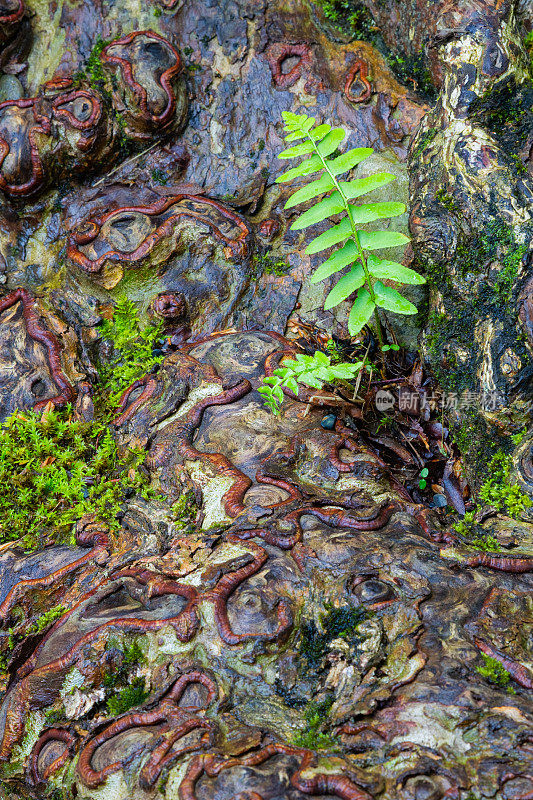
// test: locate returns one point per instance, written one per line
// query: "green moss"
(135, 351)
(335, 351)
(185, 509)
(54, 469)
(269, 264)
(337, 623)
(93, 71)
(517, 163)
(475, 535)
(353, 19)
(157, 12)
(487, 543)
(499, 493)
(122, 693)
(495, 672)
(159, 176)
(506, 109)
(129, 656)
(413, 70)
(126, 698)
(314, 737)
(496, 242)
(447, 201)
(517, 438)
(425, 140)
(20, 632)
(491, 294)
(94, 62)
(349, 17)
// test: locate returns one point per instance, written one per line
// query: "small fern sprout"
(365, 270)
(313, 371)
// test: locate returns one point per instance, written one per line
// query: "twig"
(360, 376)
(127, 161)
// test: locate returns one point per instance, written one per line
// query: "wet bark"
(309, 628)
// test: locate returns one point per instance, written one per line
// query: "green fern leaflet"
(364, 272)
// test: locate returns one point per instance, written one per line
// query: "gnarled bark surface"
(310, 629)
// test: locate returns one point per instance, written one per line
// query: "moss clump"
(185, 509)
(135, 351)
(338, 623)
(413, 70)
(41, 623)
(495, 672)
(269, 264)
(474, 534)
(498, 492)
(93, 71)
(447, 201)
(93, 74)
(495, 242)
(506, 109)
(94, 63)
(127, 698)
(315, 641)
(313, 737)
(350, 18)
(425, 140)
(54, 469)
(158, 176)
(491, 294)
(18, 633)
(122, 692)
(129, 657)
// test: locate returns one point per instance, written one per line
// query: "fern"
(313, 371)
(366, 272)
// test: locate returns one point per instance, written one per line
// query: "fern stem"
(355, 237)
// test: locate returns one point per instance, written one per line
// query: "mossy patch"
(495, 673)
(474, 534)
(425, 139)
(353, 20)
(487, 267)
(350, 17)
(93, 73)
(55, 468)
(269, 264)
(185, 509)
(122, 691)
(19, 632)
(498, 492)
(337, 623)
(135, 351)
(506, 109)
(313, 737)
(413, 71)
(158, 176)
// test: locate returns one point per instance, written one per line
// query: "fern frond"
(319, 144)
